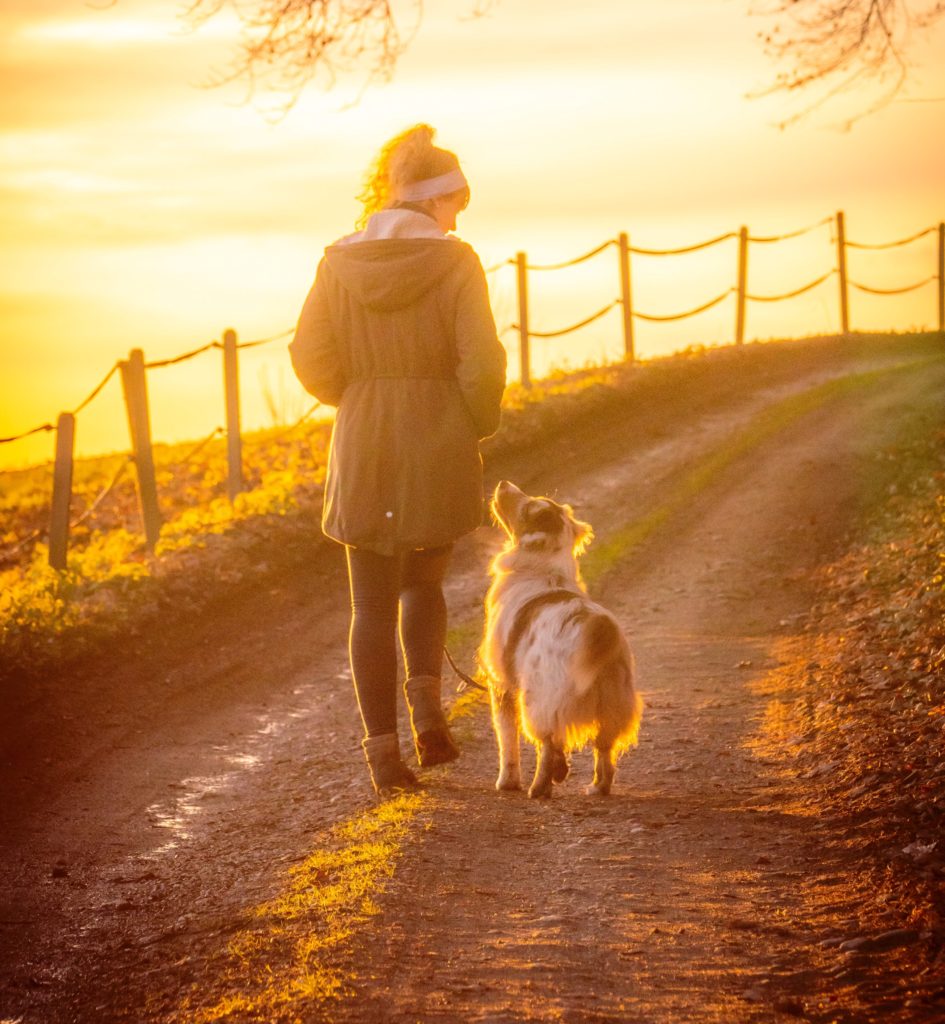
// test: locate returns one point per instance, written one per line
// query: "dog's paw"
(540, 791)
(598, 789)
(508, 781)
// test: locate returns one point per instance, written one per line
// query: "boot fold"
(389, 774)
(431, 735)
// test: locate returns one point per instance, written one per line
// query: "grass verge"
(856, 719)
(289, 957)
(112, 586)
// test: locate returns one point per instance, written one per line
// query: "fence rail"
(133, 371)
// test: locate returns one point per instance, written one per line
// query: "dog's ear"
(582, 532)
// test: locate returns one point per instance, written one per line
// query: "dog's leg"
(544, 770)
(604, 769)
(561, 768)
(505, 723)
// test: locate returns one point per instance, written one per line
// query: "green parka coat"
(398, 333)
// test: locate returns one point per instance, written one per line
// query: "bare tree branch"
(287, 44)
(826, 48)
(831, 47)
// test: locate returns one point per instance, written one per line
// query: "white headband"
(431, 187)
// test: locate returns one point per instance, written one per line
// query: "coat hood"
(398, 258)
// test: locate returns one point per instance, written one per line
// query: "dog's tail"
(601, 644)
(604, 661)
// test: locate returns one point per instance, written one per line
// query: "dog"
(558, 664)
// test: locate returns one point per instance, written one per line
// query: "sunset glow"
(141, 210)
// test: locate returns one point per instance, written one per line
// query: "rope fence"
(892, 245)
(578, 326)
(291, 429)
(894, 291)
(740, 289)
(75, 412)
(182, 358)
(133, 370)
(266, 341)
(199, 447)
(497, 266)
(124, 465)
(796, 292)
(96, 391)
(688, 313)
(790, 234)
(28, 433)
(575, 261)
(686, 249)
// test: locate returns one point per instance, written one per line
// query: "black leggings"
(379, 583)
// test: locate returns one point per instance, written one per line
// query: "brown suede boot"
(431, 734)
(388, 772)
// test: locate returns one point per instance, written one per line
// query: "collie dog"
(559, 665)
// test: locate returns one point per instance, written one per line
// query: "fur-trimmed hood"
(396, 259)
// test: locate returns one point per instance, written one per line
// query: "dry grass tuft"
(290, 958)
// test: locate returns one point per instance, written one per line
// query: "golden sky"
(139, 209)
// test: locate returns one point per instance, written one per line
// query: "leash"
(464, 679)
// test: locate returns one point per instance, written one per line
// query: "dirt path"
(698, 892)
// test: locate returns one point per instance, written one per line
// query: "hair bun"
(404, 159)
(411, 154)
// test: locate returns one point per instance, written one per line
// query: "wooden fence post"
(521, 265)
(742, 285)
(234, 443)
(842, 271)
(135, 387)
(941, 277)
(62, 491)
(626, 296)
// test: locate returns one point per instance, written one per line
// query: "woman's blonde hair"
(404, 159)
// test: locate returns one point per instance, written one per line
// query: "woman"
(397, 332)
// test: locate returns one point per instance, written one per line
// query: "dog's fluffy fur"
(559, 665)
